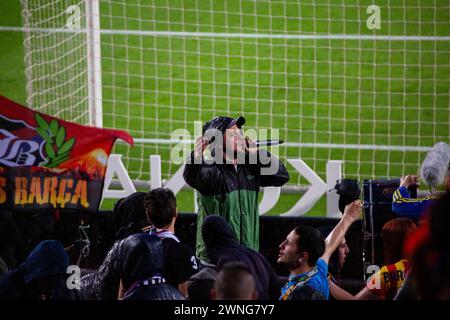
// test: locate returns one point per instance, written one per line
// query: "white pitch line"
(305, 145)
(236, 35)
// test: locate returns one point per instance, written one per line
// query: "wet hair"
(394, 234)
(311, 241)
(161, 206)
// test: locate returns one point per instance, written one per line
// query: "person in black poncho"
(141, 262)
(222, 248)
(129, 217)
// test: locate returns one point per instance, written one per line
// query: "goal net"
(340, 80)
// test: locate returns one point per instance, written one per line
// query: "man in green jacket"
(229, 184)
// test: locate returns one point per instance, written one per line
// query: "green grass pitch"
(341, 91)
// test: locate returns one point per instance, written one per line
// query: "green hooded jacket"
(232, 192)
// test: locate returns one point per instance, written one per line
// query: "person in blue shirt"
(403, 204)
(307, 254)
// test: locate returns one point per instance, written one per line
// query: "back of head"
(141, 257)
(161, 206)
(234, 282)
(217, 236)
(394, 234)
(47, 259)
(201, 284)
(311, 241)
(45, 273)
(129, 215)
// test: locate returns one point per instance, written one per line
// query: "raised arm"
(402, 203)
(340, 294)
(197, 173)
(352, 212)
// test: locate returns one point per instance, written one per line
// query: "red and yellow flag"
(49, 163)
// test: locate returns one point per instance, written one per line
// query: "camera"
(348, 191)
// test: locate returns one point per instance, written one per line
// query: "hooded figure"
(222, 247)
(135, 259)
(129, 217)
(42, 275)
(141, 265)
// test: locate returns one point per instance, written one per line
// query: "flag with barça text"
(49, 163)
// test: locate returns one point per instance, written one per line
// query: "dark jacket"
(21, 232)
(129, 217)
(403, 205)
(162, 291)
(104, 283)
(142, 258)
(42, 273)
(222, 247)
(233, 194)
(133, 259)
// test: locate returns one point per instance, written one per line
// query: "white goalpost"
(340, 80)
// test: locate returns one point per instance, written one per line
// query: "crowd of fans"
(148, 261)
